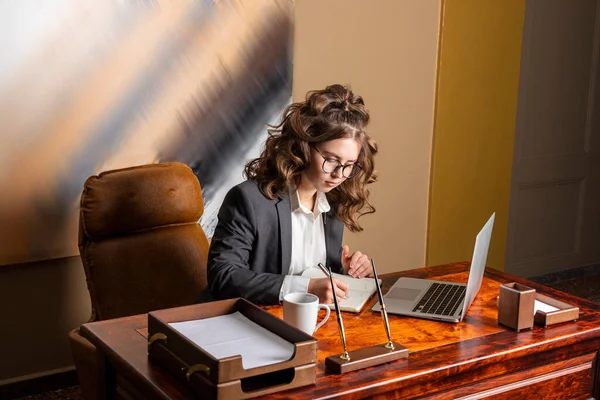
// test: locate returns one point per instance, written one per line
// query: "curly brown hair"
(328, 114)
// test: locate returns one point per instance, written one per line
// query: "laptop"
(437, 300)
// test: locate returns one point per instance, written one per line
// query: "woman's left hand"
(356, 264)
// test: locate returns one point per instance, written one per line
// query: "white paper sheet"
(543, 307)
(233, 334)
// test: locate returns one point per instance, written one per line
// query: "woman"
(289, 215)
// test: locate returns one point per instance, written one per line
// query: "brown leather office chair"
(141, 249)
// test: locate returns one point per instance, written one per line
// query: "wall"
(176, 65)
(39, 303)
(386, 50)
(388, 54)
(477, 90)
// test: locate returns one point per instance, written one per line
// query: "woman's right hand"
(322, 289)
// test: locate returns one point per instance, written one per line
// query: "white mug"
(301, 311)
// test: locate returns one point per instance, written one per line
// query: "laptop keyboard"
(441, 299)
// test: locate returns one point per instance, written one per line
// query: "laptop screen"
(482, 245)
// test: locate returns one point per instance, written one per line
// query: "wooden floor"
(584, 284)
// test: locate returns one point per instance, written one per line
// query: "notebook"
(437, 300)
(360, 290)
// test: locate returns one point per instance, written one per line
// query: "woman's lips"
(330, 183)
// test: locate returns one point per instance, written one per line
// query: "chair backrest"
(139, 239)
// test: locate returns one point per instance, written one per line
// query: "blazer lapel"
(333, 239)
(284, 214)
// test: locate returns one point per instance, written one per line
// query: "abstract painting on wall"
(88, 86)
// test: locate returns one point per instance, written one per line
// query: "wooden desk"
(476, 358)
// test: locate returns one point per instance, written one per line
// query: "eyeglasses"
(331, 166)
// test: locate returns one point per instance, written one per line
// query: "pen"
(326, 272)
(345, 355)
(389, 344)
(323, 269)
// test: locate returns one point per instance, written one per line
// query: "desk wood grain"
(476, 357)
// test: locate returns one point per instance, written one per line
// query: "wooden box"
(565, 312)
(226, 378)
(516, 306)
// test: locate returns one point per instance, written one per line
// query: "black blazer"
(251, 249)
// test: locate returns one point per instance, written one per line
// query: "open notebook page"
(360, 291)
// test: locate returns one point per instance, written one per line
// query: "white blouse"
(308, 241)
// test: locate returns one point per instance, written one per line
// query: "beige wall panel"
(386, 50)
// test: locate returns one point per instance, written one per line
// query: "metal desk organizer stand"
(367, 356)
